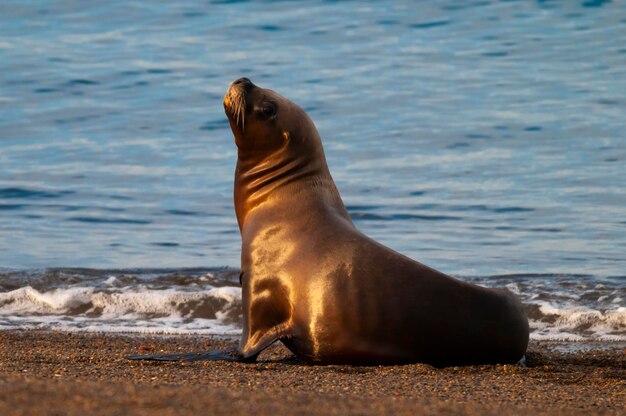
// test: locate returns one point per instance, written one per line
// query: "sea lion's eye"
(268, 110)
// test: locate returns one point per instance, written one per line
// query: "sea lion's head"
(279, 152)
(264, 122)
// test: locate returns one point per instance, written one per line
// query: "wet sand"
(47, 373)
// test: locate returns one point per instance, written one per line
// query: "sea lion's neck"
(273, 182)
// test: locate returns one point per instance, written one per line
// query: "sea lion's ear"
(286, 136)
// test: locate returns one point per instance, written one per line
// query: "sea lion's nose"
(246, 83)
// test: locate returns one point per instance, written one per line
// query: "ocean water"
(485, 139)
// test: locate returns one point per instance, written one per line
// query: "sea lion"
(331, 294)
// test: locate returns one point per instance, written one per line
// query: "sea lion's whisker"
(241, 110)
(243, 116)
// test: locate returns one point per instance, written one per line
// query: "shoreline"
(49, 372)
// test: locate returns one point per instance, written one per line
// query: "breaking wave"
(208, 301)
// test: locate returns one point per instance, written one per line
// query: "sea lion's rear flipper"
(226, 355)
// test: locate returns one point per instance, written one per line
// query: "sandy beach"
(49, 373)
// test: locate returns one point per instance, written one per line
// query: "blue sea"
(486, 139)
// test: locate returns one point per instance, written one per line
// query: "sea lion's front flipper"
(225, 355)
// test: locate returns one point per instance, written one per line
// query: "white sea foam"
(578, 323)
(130, 309)
(112, 280)
(27, 300)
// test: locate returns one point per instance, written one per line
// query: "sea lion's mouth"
(235, 101)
